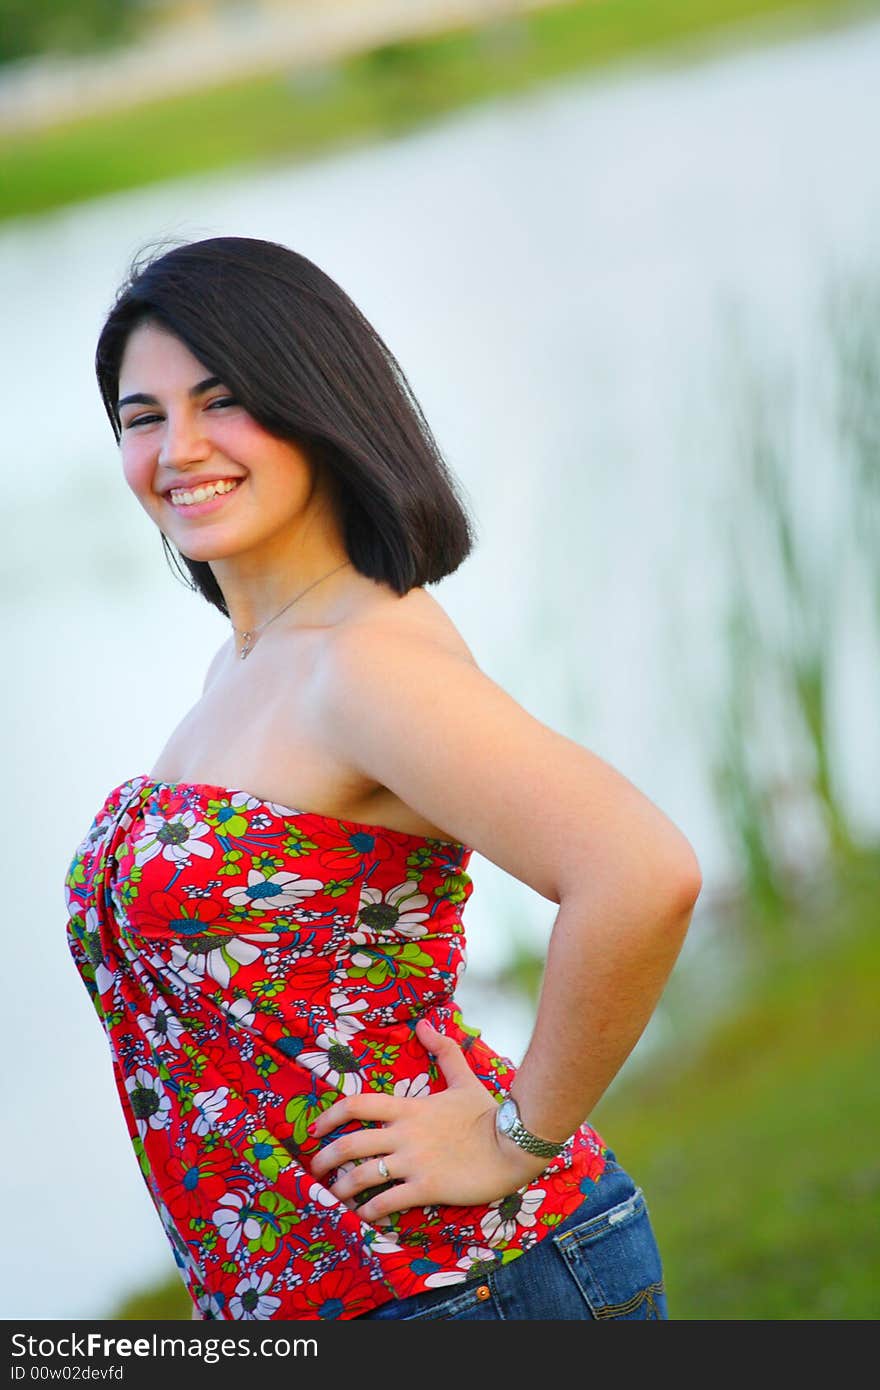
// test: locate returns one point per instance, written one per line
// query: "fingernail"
(312, 1127)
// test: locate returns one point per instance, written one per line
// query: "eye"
(139, 420)
(147, 419)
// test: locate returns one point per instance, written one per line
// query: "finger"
(361, 1178)
(361, 1143)
(400, 1196)
(369, 1105)
(449, 1055)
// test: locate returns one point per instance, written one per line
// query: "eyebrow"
(140, 398)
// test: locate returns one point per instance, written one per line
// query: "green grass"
(760, 1157)
(283, 118)
(759, 1150)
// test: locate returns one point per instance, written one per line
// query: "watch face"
(506, 1115)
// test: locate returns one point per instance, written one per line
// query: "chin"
(203, 550)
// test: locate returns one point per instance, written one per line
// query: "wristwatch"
(508, 1122)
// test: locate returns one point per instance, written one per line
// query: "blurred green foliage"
(759, 1153)
(292, 115)
(32, 27)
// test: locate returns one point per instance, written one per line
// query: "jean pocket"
(614, 1259)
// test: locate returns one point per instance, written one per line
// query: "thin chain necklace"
(250, 636)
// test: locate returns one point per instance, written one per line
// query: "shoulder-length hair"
(305, 363)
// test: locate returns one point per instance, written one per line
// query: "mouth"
(207, 498)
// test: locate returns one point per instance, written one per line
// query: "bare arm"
(457, 748)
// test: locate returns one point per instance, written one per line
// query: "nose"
(183, 440)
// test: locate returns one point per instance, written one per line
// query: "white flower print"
(210, 1106)
(233, 1220)
(160, 1025)
(206, 955)
(150, 1105)
(251, 1301)
(475, 1256)
(243, 1010)
(395, 912)
(445, 1276)
(263, 894)
(322, 1195)
(413, 1085)
(334, 1060)
(303, 916)
(386, 1244)
(345, 1024)
(518, 1209)
(149, 968)
(277, 809)
(92, 947)
(177, 838)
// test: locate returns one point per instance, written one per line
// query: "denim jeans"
(602, 1261)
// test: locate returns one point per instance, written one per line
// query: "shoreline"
(296, 115)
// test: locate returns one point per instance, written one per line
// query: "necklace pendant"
(247, 644)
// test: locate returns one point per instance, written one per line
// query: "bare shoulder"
(404, 702)
(417, 617)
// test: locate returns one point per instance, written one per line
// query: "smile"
(199, 499)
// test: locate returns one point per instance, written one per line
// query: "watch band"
(508, 1122)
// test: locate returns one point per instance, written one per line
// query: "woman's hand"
(438, 1148)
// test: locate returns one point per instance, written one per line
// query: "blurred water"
(550, 271)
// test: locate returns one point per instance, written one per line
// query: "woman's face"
(182, 428)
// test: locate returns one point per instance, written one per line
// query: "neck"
(312, 590)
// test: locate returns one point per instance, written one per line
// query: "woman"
(321, 1133)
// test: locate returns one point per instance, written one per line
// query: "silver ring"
(383, 1170)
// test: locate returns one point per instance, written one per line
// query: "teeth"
(181, 497)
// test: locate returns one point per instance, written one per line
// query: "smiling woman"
(270, 921)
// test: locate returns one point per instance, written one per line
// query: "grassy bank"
(760, 1157)
(286, 117)
(759, 1150)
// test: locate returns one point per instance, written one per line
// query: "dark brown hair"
(305, 363)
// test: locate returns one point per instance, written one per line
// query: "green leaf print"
(382, 1081)
(138, 1145)
(460, 1023)
(266, 989)
(302, 1110)
(453, 889)
(267, 863)
(230, 861)
(264, 1065)
(185, 1096)
(277, 1216)
(317, 1249)
(389, 962)
(296, 843)
(419, 862)
(76, 877)
(129, 890)
(268, 1153)
(227, 819)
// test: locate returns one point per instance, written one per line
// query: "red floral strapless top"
(250, 964)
